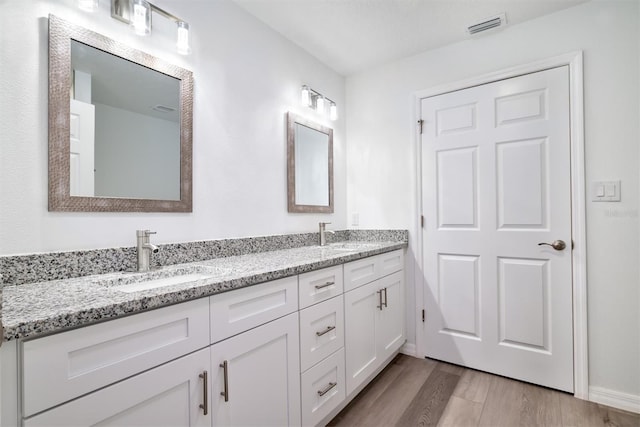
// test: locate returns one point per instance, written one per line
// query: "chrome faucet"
(145, 248)
(323, 233)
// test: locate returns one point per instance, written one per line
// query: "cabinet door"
(391, 317)
(169, 395)
(261, 371)
(361, 307)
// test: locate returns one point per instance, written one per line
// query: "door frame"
(578, 200)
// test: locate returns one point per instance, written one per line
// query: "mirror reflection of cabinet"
(120, 126)
(309, 166)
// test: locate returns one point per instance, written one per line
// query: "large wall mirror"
(120, 126)
(309, 166)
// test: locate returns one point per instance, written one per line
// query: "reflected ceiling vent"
(163, 109)
(488, 24)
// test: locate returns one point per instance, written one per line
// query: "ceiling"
(353, 35)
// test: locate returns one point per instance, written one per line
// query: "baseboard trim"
(616, 399)
(409, 349)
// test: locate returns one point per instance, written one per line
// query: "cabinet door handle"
(326, 389)
(225, 366)
(329, 329)
(205, 392)
(385, 297)
(379, 299)
(326, 285)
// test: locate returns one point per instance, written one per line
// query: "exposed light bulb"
(320, 104)
(141, 17)
(88, 5)
(333, 111)
(305, 97)
(183, 38)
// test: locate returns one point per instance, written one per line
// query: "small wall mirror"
(309, 166)
(120, 125)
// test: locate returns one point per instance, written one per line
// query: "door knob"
(558, 245)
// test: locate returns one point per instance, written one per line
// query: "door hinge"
(423, 315)
(422, 221)
(420, 123)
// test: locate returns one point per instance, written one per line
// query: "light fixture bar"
(318, 102)
(122, 10)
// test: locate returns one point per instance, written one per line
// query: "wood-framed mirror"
(120, 126)
(309, 166)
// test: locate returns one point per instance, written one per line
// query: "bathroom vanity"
(285, 337)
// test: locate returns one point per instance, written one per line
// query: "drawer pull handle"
(327, 388)
(225, 366)
(379, 299)
(385, 297)
(326, 285)
(205, 389)
(329, 329)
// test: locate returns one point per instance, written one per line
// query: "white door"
(169, 395)
(496, 183)
(82, 139)
(256, 376)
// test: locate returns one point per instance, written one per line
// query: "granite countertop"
(33, 309)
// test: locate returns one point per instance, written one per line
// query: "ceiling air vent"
(487, 24)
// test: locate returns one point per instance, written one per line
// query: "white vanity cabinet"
(288, 352)
(374, 315)
(255, 356)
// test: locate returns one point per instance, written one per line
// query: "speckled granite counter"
(38, 308)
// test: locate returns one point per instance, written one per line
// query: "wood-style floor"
(423, 392)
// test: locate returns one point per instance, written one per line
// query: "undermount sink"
(352, 246)
(135, 282)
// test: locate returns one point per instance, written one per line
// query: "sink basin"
(352, 246)
(135, 282)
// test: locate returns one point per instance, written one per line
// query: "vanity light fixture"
(320, 104)
(306, 96)
(333, 111)
(88, 5)
(313, 99)
(141, 19)
(137, 13)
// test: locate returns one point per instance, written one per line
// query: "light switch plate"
(605, 191)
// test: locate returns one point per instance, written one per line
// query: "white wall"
(382, 167)
(246, 78)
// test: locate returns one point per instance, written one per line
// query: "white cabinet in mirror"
(309, 166)
(120, 126)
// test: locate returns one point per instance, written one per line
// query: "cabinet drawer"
(391, 262)
(169, 395)
(320, 285)
(242, 309)
(366, 270)
(322, 388)
(360, 272)
(321, 331)
(61, 367)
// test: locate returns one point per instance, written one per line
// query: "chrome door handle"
(205, 389)
(326, 390)
(325, 285)
(326, 331)
(385, 297)
(558, 245)
(225, 366)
